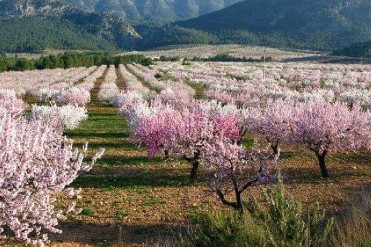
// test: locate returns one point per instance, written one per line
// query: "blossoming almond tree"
(232, 169)
(183, 131)
(67, 116)
(163, 128)
(323, 127)
(14, 106)
(72, 95)
(274, 122)
(36, 162)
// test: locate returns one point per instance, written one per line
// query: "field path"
(128, 199)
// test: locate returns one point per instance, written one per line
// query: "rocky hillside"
(35, 25)
(152, 10)
(18, 8)
(320, 24)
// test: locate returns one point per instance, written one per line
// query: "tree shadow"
(359, 158)
(93, 134)
(358, 191)
(127, 178)
(118, 145)
(288, 155)
(112, 234)
(123, 160)
(302, 175)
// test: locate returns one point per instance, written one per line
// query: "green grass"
(87, 211)
(121, 214)
(130, 181)
(106, 125)
(116, 169)
(199, 88)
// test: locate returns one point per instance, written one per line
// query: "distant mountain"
(31, 7)
(152, 10)
(153, 36)
(35, 25)
(320, 24)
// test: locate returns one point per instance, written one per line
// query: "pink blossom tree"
(324, 127)
(73, 95)
(183, 131)
(13, 105)
(36, 162)
(198, 126)
(232, 169)
(189, 135)
(152, 125)
(163, 128)
(274, 122)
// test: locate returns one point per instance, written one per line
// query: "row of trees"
(223, 57)
(69, 60)
(212, 134)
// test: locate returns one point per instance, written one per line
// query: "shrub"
(281, 222)
(285, 223)
(353, 227)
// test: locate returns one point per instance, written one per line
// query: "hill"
(321, 25)
(160, 11)
(32, 7)
(35, 25)
(72, 31)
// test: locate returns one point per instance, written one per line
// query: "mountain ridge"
(298, 24)
(20, 8)
(36, 25)
(162, 11)
(324, 24)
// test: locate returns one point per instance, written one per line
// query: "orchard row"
(324, 108)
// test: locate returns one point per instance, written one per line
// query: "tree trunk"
(195, 165)
(237, 192)
(322, 164)
(274, 148)
(195, 161)
(239, 205)
(166, 152)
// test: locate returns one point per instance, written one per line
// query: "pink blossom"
(323, 127)
(36, 161)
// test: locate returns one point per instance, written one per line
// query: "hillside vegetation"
(322, 25)
(362, 50)
(29, 26)
(152, 10)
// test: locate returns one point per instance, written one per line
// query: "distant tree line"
(167, 59)
(218, 58)
(362, 50)
(68, 60)
(228, 58)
